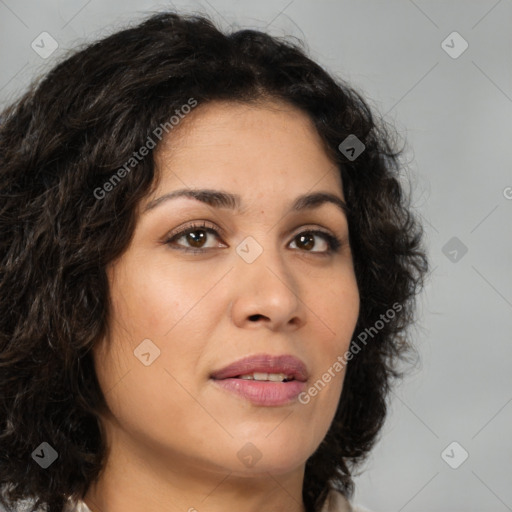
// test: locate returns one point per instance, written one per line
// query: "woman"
(208, 266)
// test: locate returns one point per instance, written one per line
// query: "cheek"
(153, 301)
(161, 307)
(338, 307)
(338, 310)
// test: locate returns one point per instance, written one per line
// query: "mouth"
(263, 379)
(263, 367)
(266, 377)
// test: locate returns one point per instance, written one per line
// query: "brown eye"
(193, 238)
(196, 238)
(306, 241)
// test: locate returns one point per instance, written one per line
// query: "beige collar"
(335, 502)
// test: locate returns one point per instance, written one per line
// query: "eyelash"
(333, 242)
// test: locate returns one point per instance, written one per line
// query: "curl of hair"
(67, 135)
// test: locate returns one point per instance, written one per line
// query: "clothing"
(79, 506)
(335, 502)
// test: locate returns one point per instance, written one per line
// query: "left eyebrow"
(221, 199)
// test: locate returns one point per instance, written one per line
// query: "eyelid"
(199, 224)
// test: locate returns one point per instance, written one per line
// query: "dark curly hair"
(70, 132)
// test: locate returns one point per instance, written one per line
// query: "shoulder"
(336, 502)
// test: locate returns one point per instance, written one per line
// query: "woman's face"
(259, 284)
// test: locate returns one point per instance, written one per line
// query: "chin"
(262, 455)
(274, 467)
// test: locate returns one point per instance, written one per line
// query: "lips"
(263, 393)
(288, 365)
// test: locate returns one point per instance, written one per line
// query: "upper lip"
(264, 363)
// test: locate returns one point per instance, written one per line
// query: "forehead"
(268, 145)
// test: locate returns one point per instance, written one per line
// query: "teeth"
(273, 377)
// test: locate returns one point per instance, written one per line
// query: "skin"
(173, 435)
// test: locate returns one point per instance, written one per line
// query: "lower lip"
(265, 393)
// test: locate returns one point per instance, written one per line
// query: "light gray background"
(456, 116)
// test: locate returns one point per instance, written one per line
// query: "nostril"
(255, 317)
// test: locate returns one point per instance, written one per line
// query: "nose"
(266, 293)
